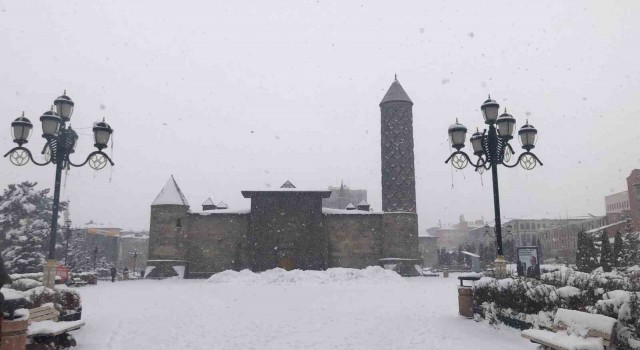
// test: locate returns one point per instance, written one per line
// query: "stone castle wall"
(216, 242)
(355, 240)
(286, 231)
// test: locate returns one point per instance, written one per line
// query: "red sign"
(62, 272)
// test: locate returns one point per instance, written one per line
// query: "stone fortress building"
(288, 227)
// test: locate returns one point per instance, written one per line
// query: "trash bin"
(445, 272)
(14, 334)
(465, 295)
(465, 301)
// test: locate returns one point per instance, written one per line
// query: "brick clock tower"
(398, 173)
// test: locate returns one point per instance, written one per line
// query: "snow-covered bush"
(85, 276)
(32, 276)
(68, 299)
(529, 303)
(24, 284)
(63, 299)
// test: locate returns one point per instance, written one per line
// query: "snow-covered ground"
(336, 309)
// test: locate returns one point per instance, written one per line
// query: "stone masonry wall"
(286, 231)
(165, 237)
(400, 238)
(354, 239)
(217, 242)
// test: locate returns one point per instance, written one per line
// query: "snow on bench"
(44, 327)
(575, 330)
(53, 328)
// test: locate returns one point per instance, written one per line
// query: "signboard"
(528, 264)
(62, 272)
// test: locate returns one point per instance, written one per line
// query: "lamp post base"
(49, 273)
(500, 267)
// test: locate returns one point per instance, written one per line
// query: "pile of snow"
(369, 275)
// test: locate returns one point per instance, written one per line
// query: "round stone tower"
(168, 223)
(398, 173)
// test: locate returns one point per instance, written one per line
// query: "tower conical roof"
(287, 184)
(396, 93)
(171, 195)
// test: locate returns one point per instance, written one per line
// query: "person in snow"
(113, 273)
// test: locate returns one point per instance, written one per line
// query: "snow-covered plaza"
(334, 309)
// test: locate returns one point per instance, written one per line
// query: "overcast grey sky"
(238, 95)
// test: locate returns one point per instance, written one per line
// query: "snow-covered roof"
(171, 195)
(221, 211)
(597, 229)
(251, 193)
(363, 202)
(470, 254)
(134, 236)
(208, 202)
(348, 212)
(350, 206)
(395, 93)
(222, 205)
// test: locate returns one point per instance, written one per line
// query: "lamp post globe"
(50, 124)
(21, 130)
(64, 106)
(528, 136)
(476, 143)
(490, 110)
(457, 135)
(101, 134)
(506, 124)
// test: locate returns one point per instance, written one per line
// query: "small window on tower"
(179, 223)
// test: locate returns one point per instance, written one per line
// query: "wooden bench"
(575, 330)
(46, 332)
(77, 282)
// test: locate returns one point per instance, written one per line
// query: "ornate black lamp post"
(60, 143)
(493, 149)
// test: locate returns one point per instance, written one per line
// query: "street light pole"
(135, 256)
(60, 143)
(493, 149)
(68, 236)
(95, 256)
